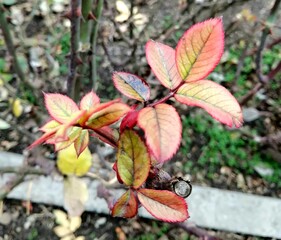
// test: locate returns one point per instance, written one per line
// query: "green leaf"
(133, 160)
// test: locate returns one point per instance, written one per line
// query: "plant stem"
(10, 45)
(85, 26)
(166, 98)
(75, 15)
(94, 44)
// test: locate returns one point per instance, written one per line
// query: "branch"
(20, 175)
(10, 45)
(94, 44)
(265, 33)
(23, 170)
(250, 94)
(9, 186)
(74, 15)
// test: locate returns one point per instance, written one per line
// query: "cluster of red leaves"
(183, 72)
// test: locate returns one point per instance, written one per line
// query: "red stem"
(166, 98)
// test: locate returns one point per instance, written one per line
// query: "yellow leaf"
(61, 231)
(17, 107)
(124, 11)
(80, 238)
(75, 196)
(75, 223)
(69, 237)
(69, 164)
(61, 218)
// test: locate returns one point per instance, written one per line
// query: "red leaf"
(162, 127)
(107, 115)
(161, 59)
(60, 107)
(200, 49)
(133, 160)
(131, 85)
(126, 206)
(163, 205)
(214, 98)
(81, 142)
(117, 173)
(130, 120)
(42, 139)
(89, 101)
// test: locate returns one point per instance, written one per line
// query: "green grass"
(220, 146)
(62, 58)
(247, 78)
(158, 230)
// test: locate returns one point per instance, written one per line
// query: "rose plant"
(150, 131)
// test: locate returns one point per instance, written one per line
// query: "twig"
(10, 45)
(262, 78)
(20, 174)
(74, 15)
(266, 31)
(250, 94)
(274, 71)
(110, 183)
(94, 44)
(194, 230)
(275, 42)
(23, 170)
(11, 185)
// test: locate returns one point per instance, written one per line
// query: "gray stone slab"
(208, 207)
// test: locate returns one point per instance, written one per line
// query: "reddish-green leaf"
(214, 98)
(131, 85)
(107, 115)
(200, 49)
(89, 101)
(161, 59)
(163, 205)
(133, 160)
(162, 127)
(72, 134)
(126, 206)
(60, 107)
(81, 142)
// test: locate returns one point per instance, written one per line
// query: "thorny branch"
(94, 44)
(74, 15)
